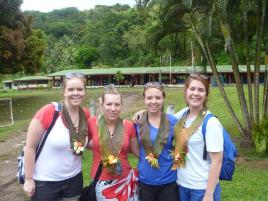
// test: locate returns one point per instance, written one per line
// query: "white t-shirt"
(56, 161)
(195, 174)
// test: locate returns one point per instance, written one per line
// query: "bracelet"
(28, 178)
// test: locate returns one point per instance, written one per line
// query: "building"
(29, 82)
(140, 75)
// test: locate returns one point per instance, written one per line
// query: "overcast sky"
(49, 5)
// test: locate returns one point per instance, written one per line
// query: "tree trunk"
(241, 95)
(246, 141)
(207, 54)
(243, 132)
(265, 94)
(247, 56)
(265, 88)
(259, 28)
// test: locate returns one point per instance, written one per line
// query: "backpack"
(21, 165)
(229, 152)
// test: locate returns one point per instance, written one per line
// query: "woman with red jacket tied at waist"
(112, 139)
(56, 174)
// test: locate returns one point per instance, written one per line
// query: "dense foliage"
(21, 49)
(114, 36)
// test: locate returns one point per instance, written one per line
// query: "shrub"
(260, 137)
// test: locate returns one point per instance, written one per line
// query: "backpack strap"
(58, 106)
(204, 129)
(56, 114)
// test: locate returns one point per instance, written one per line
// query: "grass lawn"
(251, 179)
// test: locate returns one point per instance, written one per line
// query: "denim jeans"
(58, 190)
(187, 194)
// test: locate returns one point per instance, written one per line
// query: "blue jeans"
(68, 189)
(187, 194)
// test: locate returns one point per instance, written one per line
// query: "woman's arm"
(214, 173)
(179, 114)
(34, 135)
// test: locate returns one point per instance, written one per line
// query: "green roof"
(7, 81)
(28, 78)
(150, 70)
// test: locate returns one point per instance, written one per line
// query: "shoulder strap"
(204, 129)
(57, 106)
(56, 114)
(98, 173)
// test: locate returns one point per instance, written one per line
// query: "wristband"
(28, 178)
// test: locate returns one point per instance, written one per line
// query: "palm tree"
(199, 16)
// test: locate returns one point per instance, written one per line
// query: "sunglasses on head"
(109, 87)
(157, 85)
(72, 75)
(197, 75)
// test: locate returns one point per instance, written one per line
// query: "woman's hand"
(137, 116)
(29, 187)
(208, 197)
(90, 145)
(214, 173)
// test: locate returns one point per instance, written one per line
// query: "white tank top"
(56, 161)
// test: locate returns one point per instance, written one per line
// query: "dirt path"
(10, 189)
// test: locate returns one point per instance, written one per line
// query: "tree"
(59, 29)
(33, 53)
(118, 77)
(199, 17)
(60, 54)
(21, 50)
(10, 13)
(12, 46)
(85, 56)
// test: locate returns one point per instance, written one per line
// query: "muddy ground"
(10, 189)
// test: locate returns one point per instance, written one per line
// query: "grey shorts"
(69, 189)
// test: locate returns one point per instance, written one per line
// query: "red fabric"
(46, 113)
(124, 189)
(93, 134)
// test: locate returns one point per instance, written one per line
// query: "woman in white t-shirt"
(198, 179)
(56, 174)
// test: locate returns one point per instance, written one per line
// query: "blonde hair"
(110, 89)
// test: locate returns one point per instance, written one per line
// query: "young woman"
(198, 179)
(157, 182)
(56, 175)
(112, 139)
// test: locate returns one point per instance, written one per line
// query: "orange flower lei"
(182, 135)
(110, 148)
